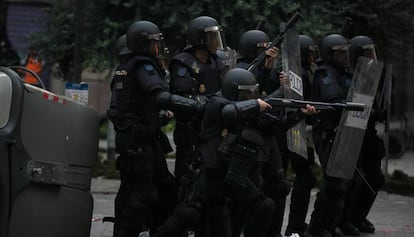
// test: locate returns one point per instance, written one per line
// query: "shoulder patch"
(148, 67)
(182, 71)
(326, 80)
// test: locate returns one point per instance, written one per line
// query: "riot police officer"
(331, 84)
(195, 73)
(360, 198)
(304, 178)
(229, 172)
(273, 123)
(138, 94)
(232, 153)
(252, 43)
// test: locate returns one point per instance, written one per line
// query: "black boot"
(365, 226)
(349, 229)
(323, 233)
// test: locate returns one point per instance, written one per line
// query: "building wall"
(23, 20)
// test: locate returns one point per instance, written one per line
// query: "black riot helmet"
(362, 45)
(206, 33)
(308, 49)
(252, 43)
(239, 84)
(333, 44)
(144, 37)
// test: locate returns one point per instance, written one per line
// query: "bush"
(400, 183)
(105, 168)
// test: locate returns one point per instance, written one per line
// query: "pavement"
(392, 215)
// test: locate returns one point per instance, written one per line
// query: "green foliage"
(103, 129)
(399, 175)
(389, 23)
(169, 128)
(316, 170)
(400, 183)
(105, 168)
(59, 41)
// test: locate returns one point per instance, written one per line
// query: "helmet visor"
(215, 39)
(341, 47)
(246, 92)
(261, 47)
(159, 49)
(263, 44)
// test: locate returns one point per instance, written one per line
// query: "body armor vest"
(333, 86)
(203, 79)
(132, 86)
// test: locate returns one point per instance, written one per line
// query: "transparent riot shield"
(351, 130)
(291, 63)
(48, 146)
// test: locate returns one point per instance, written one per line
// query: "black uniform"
(235, 172)
(274, 132)
(145, 195)
(331, 84)
(192, 79)
(304, 178)
(372, 152)
(143, 169)
(360, 198)
(224, 151)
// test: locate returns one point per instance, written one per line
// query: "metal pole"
(78, 41)
(387, 106)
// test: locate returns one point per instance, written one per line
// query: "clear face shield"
(369, 51)
(158, 49)
(247, 92)
(215, 39)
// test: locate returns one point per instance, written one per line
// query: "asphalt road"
(392, 215)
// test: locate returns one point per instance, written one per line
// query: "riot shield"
(291, 63)
(351, 130)
(48, 146)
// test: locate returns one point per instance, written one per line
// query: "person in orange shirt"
(35, 64)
